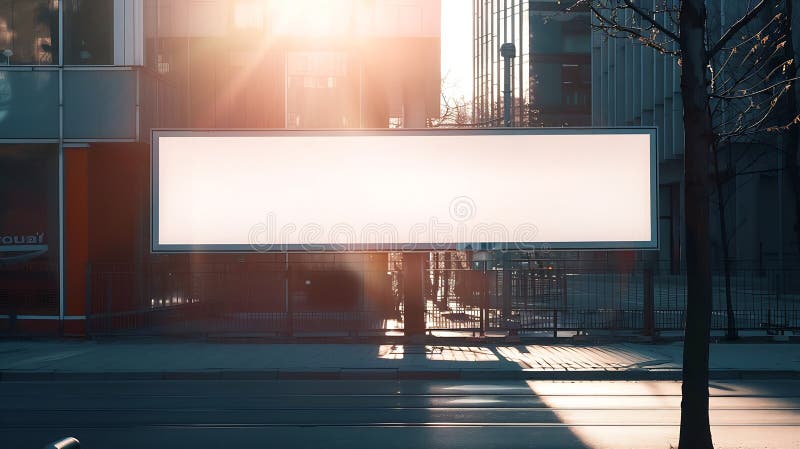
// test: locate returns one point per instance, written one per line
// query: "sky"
(457, 48)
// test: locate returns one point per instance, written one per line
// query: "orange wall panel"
(76, 229)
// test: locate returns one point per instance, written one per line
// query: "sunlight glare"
(249, 14)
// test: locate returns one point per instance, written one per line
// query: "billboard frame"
(652, 244)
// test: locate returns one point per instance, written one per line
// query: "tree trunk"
(695, 431)
(731, 333)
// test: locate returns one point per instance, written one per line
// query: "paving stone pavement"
(19, 359)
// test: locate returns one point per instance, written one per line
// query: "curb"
(390, 374)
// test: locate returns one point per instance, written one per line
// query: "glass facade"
(29, 32)
(215, 64)
(551, 73)
(495, 23)
(561, 69)
(29, 229)
(88, 32)
(321, 91)
(29, 103)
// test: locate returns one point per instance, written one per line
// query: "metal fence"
(590, 299)
(350, 300)
(254, 299)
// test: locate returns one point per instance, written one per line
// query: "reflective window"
(88, 32)
(28, 32)
(28, 104)
(29, 229)
(321, 91)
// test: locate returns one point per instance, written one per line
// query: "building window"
(88, 32)
(575, 89)
(321, 90)
(28, 32)
(29, 232)
(162, 66)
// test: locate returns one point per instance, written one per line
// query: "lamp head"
(508, 50)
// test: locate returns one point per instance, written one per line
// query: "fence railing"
(275, 299)
(268, 298)
(602, 298)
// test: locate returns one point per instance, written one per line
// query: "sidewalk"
(129, 360)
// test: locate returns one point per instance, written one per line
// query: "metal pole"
(507, 293)
(288, 297)
(508, 51)
(414, 301)
(649, 304)
(60, 64)
(88, 298)
(484, 299)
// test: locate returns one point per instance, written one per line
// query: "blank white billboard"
(404, 190)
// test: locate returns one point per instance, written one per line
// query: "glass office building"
(551, 73)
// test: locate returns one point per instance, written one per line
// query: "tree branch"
(611, 25)
(652, 21)
(753, 93)
(735, 28)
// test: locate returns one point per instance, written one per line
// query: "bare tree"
(749, 80)
(789, 114)
(681, 28)
(455, 111)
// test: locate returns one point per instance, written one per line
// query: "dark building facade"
(634, 85)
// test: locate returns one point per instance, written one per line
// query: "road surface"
(389, 414)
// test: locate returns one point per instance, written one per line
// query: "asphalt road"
(389, 414)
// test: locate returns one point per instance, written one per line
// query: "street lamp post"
(508, 51)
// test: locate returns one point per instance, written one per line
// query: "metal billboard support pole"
(508, 51)
(287, 274)
(61, 246)
(414, 296)
(482, 258)
(649, 303)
